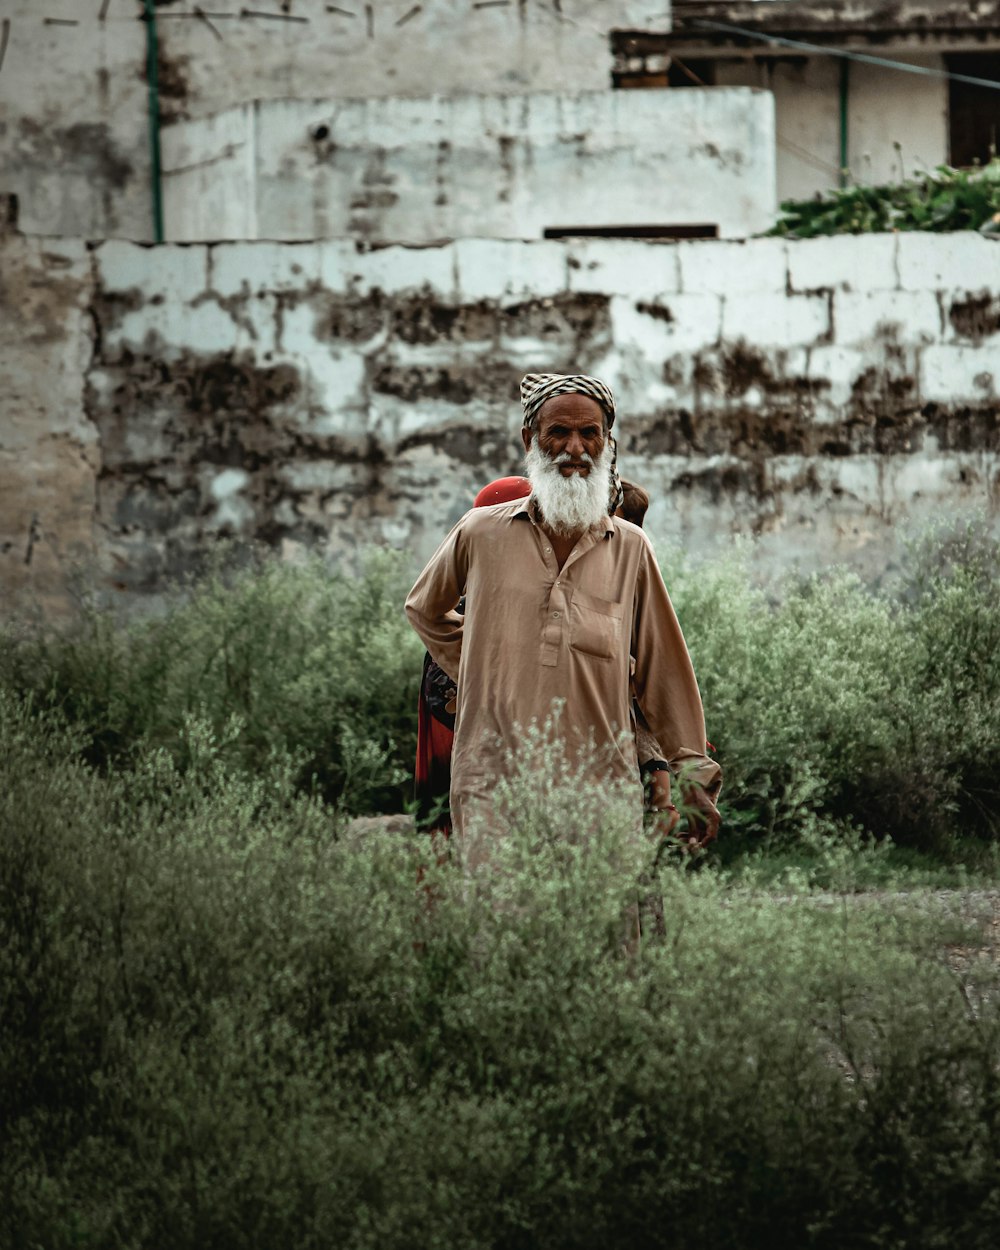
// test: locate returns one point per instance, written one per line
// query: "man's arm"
(667, 690)
(430, 605)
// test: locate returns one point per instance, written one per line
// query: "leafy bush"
(843, 708)
(303, 661)
(226, 1022)
(941, 200)
(836, 710)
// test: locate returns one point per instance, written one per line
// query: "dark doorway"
(973, 112)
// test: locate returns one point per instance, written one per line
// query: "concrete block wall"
(74, 140)
(50, 453)
(817, 396)
(493, 165)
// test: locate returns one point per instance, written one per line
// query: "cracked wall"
(50, 454)
(818, 396)
(74, 123)
(486, 165)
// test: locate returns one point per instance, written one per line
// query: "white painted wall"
(74, 143)
(817, 396)
(889, 107)
(389, 49)
(885, 108)
(419, 170)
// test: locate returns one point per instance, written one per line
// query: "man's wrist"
(653, 766)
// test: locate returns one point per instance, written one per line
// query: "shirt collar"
(529, 508)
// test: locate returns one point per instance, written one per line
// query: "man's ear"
(526, 437)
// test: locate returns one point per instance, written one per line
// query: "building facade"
(899, 102)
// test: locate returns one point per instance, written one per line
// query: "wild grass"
(229, 1022)
(844, 710)
(838, 712)
(304, 664)
(230, 1019)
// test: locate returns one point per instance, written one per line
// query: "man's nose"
(575, 445)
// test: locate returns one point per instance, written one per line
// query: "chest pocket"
(595, 625)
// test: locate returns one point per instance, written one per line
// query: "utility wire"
(804, 154)
(845, 54)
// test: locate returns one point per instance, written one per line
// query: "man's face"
(571, 426)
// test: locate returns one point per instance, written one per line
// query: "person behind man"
(437, 701)
(634, 504)
(560, 595)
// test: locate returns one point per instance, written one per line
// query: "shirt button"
(555, 613)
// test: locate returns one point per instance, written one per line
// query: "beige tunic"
(533, 633)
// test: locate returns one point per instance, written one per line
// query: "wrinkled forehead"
(572, 406)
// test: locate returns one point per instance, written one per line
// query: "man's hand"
(702, 817)
(667, 817)
(697, 806)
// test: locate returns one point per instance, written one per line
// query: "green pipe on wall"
(153, 78)
(845, 78)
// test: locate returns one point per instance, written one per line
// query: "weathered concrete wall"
(399, 48)
(813, 394)
(897, 122)
(493, 166)
(49, 449)
(74, 142)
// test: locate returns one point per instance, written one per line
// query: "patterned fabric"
(435, 735)
(439, 693)
(616, 496)
(536, 388)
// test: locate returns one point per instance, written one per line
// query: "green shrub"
(941, 200)
(948, 715)
(302, 661)
(836, 709)
(841, 707)
(228, 1023)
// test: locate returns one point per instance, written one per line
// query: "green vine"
(940, 200)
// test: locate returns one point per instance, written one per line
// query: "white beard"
(570, 505)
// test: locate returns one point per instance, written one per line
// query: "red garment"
(432, 776)
(503, 490)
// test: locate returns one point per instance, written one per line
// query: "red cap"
(503, 490)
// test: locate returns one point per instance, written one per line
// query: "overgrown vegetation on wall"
(940, 200)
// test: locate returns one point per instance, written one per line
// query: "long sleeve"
(430, 605)
(646, 746)
(665, 683)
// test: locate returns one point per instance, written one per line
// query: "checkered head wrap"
(536, 388)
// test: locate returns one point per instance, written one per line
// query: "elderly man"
(559, 596)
